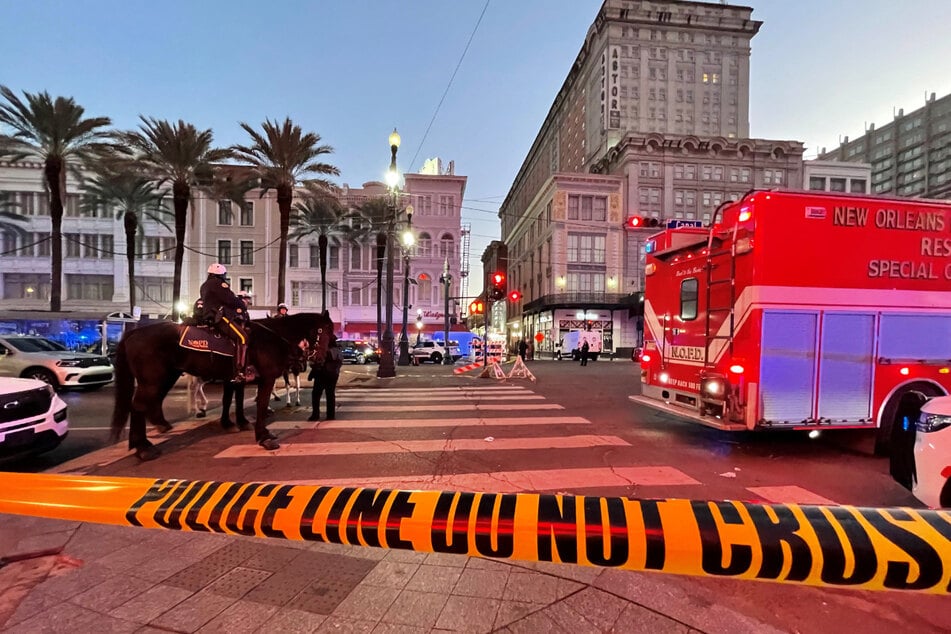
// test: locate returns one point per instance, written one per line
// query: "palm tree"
(282, 155)
(378, 212)
(183, 156)
(134, 197)
(55, 132)
(321, 214)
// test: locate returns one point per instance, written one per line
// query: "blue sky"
(351, 70)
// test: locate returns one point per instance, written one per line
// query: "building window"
(224, 251)
(585, 248)
(424, 290)
(333, 257)
(246, 284)
(314, 256)
(356, 263)
(586, 282)
(26, 286)
(817, 183)
(572, 207)
(773, 177)
(425, 246)
(858, 186)
(247, 214)
(9, 246)
(356, 296)
(106, 246)
(446, 246)
(334, 302)
(90, 249)
(600, 208)
(688, 299)
(293, 255)
(72, 242)
(89, 287)
(224, 212)
(836, 184)
(295, 293)
(247, 252)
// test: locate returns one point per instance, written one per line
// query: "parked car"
(434, 351)
(921, 450)
(30, 357)
(32, 417)
(358, 352)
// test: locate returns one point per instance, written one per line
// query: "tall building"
(96, 279)
(910, 156)
(652, 120)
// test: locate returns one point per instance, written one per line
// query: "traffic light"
(515, 296)
(476, 307)
(641, 222)
(497, 280)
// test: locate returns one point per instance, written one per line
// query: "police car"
(921, 455)
(32, 417)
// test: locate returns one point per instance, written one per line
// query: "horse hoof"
(148, 453)
(244, 427)
(201, 414)
(270, 444)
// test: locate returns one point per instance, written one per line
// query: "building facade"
(837, 176)
(652, 120)
(245, 240)
(910, 156)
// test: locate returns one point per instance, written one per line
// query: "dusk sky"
(352, 70)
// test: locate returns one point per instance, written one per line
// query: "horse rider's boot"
(240, 353)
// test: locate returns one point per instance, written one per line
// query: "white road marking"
(390, 423)
(517, 481)
(452, 407)
(415, 398)
(789, 494)
(420, 446)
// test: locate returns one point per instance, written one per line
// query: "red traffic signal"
(497, 291)
(641, 222)
(515, 296)
(498, 279)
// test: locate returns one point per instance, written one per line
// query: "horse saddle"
(205, 339)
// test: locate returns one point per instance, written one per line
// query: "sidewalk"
(125, 579)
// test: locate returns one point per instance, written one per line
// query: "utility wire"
(446, 92)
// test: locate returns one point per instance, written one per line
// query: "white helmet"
(217, 269)
(282, 305)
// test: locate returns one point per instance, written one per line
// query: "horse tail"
(124, 388)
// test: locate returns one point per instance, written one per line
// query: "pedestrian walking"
(584, 353)
(522, 348)
(325, 380)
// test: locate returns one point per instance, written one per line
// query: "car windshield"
(35, 344)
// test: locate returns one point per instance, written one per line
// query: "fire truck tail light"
(944, 371)
(904, 371)
(744, 245)
(745, 214)
(650, 269)
(646, 358)
(663, 377)
(736, 368)
(712, 387)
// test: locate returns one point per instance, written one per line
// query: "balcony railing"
(583, 299)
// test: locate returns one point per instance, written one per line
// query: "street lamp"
(408, 240)
(386, 368)
(446, 279)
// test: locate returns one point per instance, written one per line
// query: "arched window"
(424, 250)
(446, 246)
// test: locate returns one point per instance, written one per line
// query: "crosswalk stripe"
(389, 423)
(400, 398)
(420, 446)
(435, 390)
(517, 481)
(453, 407)
(790, 494)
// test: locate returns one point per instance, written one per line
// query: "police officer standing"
(228, 313)
(281, 310)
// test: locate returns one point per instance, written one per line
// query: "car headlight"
(69, 363)
(932, 422)
(368, 351)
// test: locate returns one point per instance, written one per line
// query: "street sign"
(677, 224)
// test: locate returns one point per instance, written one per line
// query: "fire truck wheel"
(888, 431)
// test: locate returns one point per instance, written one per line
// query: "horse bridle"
(303, 345)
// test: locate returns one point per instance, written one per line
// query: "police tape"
(841, 546)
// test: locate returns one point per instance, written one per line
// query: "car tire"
(41, 374)
(436, 358)
(361, 360)
(886, 430)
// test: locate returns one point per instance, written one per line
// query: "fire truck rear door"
(787, 366)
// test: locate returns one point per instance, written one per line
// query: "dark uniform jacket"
(217, 293)
(333, 361)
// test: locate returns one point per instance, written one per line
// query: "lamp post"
(386, 368)
(446, 279)
(408, 240)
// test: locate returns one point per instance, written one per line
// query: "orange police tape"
(863, 548)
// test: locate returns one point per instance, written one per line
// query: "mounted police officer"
(228, 312)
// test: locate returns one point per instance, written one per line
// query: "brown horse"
(149, 361)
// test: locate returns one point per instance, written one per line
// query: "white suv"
(30, 357)
(434, 351)
(32, 417)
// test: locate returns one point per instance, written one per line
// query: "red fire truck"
(799, 310)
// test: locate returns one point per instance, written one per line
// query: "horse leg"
(243, 423)
(296, 389)
(261, 434)
(227, 394)
(287, 388)
(138, 442)
(146, 401)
